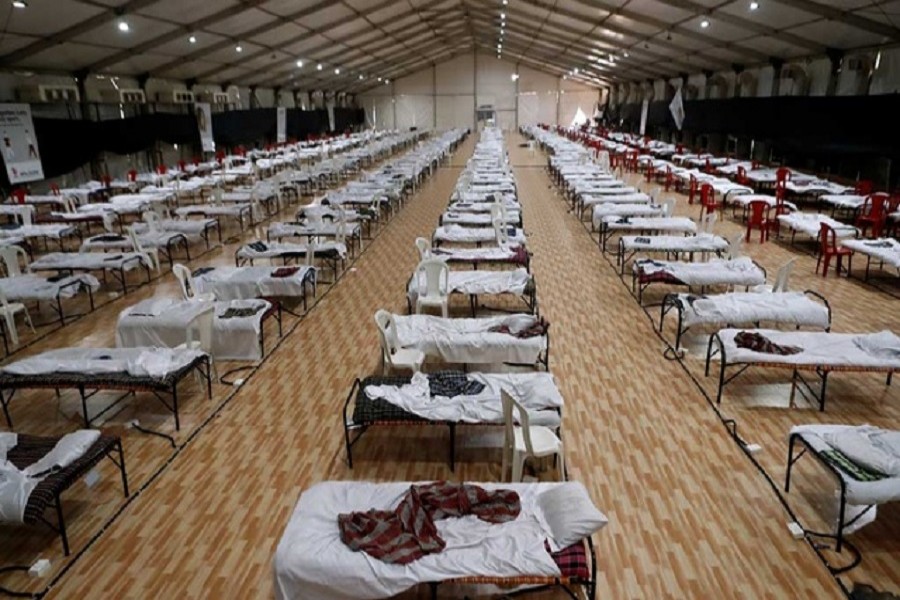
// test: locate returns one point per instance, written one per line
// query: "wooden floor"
(690, 515)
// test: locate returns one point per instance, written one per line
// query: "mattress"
(312, 563)
(244, 283)
(458, 234)
(788, 308)
(89, 261)
(810, 224)
(703, 242)
(27, 287)
(668, 224)
(739, 271)
(478, 283)
(819, 349)
(470, 340)
(882, 249)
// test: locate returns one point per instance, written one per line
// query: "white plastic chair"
(391, 353)
(669, 207)
(500, 232)
(781, 280)
(525, 440)
(434, 289)
(10, 256)
(199, 335)
(152, 218)
(708, 223)
(26, 214)
(735, 247)
(188, 287)
(8, 311)
(424, 248)
(152, 254)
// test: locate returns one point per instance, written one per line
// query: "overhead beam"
(846, 17)
(149, 45)
(82, 27)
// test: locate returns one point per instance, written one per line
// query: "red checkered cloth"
(572, 561)
(408, 532)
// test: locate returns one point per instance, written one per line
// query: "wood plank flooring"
(690, 516)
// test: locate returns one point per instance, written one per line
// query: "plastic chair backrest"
(669, 207)
(513, 412)
(500, 232)
(758, 209)
(735, 246)
(782, 175)
(108, 224)
(707, 195)
(200, 329)
(387, 331)
(26, 214)
(781, 278)
(433, 278)
(151, 218)
(136, 244)
(828, 238)
(708, 223)
(185, 280)
(218, 194)
(742, 175)
(10, 257)
(424, 248)
(132, 175)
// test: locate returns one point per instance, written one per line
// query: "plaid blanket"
(407, 533)
(760, 343)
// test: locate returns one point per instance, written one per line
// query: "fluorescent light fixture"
(238, 48)
(123, 26)
(878, 60)
(704, 23)
(23, 4)
(193, 39)
(754, 5)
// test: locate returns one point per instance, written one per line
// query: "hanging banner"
(676, 107)
(645, 106)
(20, 150)
(204, 126)
(281, 124)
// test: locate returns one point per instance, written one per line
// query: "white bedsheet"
(89, 261)
(312, 563)
(810, 224)
(819, 348)
(458, 234)
(163, 322)
(281, 249)
(883, 249)
(496, 253)
(738, 271)
(27, 287)
(244, 283)
(469, 340)
(138, 362)
(858, 492)
(477, 283)
(635, 198)
(790, 308)
(16, 485)
(536, 392)
(668, 224)
(702, 242)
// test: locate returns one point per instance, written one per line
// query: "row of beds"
(664, 164)
(311, 562)
(147, 359)
(822, 352)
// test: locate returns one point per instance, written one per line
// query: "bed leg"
(890, 376)
(790, 463)
(5, 402)
(61, 525)
(122, 467)
(433, 586)
(822, 391)
(452, 447)
(84, 408)
(175, 406)
(839, 535)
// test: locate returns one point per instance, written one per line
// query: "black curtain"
(347, 118)
(301, 123)
(247, 127)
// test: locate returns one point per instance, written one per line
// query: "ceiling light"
(299, 64)
(704, 23)
(361, 76)
(238, 48)
(575, 71)
(386, 81)
(379, 80)
(625, 54)
(193, 39)
(123, 26)
(319, 67)
(337, 71)
(878, 60)
(505, 2)
(754, 5)
(502, 16)
(514, 76)
(23, 4)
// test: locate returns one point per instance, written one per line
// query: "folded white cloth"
(884, 343)
(871, 447)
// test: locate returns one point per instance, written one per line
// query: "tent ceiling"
(608, 41)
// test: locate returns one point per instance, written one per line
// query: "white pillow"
(569, 513)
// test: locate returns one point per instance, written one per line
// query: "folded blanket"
(884, 343)
(760, 343)
(871, 448)
(409, 532)
(285, 271)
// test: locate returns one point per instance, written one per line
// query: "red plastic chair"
(759, 219)
(708, 204)
(863, 187)
(19, 194)
(181, 165)
(161, 169)
(829, 249)
(650, 172)
(873, 214)
(754, 165)
(782, 176)
(893, 226)
(106, 180)
(54, 189)
(196, 161)
(742, 176)
(670, 178)
(132, 175)
(708, 167)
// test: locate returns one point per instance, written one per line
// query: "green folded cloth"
(857, 472)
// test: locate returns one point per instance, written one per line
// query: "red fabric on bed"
(572, 561)
(408, 532)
